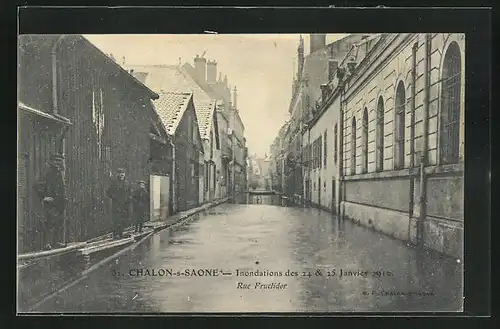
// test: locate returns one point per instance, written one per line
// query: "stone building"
(395, 106)
(320, 136)
(313, 70)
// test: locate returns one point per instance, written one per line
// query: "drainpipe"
(173, 182)
(424, 156)
(340, 149)
(412, 138)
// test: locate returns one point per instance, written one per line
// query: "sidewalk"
(43, 273)
(181, 216)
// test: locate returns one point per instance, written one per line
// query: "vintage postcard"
(163, 173)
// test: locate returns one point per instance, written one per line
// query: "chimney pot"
(212, 72)
(200, 66)
(325, 89)
(332, 67)
(317, 41)
(351, 66)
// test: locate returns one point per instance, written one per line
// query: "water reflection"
(268, 237)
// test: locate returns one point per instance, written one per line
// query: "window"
(335, 136)
(380, 135)
(214, 176)
(207, 176)
(399, 127)
(211, 144)
(319, 151)
(325, 150)
(364, 154)
(450, 106)
(353, 146)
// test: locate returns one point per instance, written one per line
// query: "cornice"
(371, 65)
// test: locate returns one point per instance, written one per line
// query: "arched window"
(380, 136)
(325, 150)
(353, 146)
(364, 142)
(399, 127)
(335, 136)
(450, 106)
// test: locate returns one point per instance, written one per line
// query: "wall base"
(443, 236)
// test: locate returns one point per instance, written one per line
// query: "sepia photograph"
(193, 173)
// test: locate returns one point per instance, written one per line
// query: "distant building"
(234, 147)
(313, 70)
(178, 114)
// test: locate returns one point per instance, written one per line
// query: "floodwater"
(302, 259)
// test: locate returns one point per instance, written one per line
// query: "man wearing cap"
(140, 202)
(119, 193)
(51, 189)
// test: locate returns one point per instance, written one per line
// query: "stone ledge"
(407, 172)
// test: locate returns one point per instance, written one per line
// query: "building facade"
(393, 117)
(403, 118)
(177, 112)
(68, 78)
(313, 71)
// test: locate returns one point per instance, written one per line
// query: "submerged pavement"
(266, 258)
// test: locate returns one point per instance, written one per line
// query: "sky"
(261, 66)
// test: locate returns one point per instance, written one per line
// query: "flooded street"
(326, 265)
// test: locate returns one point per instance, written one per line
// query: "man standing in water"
(140, 201)
(51, 190)
(119, 193)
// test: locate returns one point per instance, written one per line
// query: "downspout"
(340, 149)
(424, 155)
(412, 138)
(309, 168)
(173, 183)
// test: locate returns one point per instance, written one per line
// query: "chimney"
(332, 67)
(211, 72)
(225, 80)
(351, 66)
(317, 41)
(235, 98)
(324, 93)
(200, 66)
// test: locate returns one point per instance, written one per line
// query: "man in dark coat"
(120, 194)
(51, 189)
(140, 202)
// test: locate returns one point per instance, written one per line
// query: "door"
(155, 197)
(164, 197)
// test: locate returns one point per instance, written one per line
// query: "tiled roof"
(204, 114)
(168, 78)
(170, 107)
